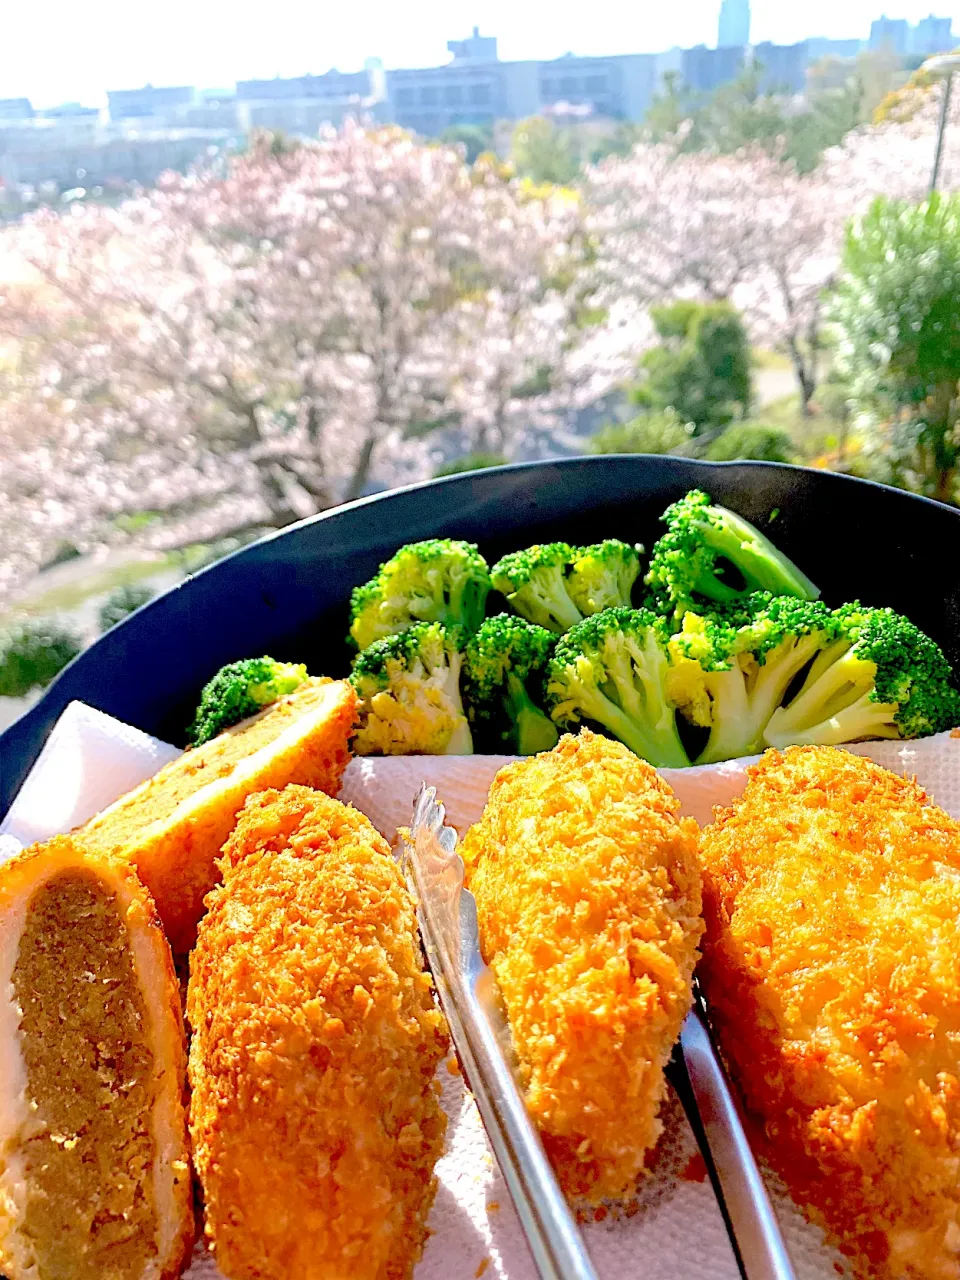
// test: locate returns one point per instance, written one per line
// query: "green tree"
(32, 653)
(120, 603)
(542, 152)
(476, 139)
(674, 114)
(663, 432)
(470, 462)
(750, 440)
(702, 367)
(896, 318)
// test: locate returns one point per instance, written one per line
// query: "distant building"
(70, 111)
(932, 35)
(141, 104)
(819, 47)
(45, 156)
(783, 67)
(618, 88)
(734, 27)
(706, 69)
(305, 104)
(475, 48)
(330, 85)
(892, 34)
(16, 109)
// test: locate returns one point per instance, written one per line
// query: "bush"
(121, 603)
(702, 367)
(32, 653)
(896, 320)
(649, 433)
(470, 462)
(750, 440)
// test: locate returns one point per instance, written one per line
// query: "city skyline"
(213, 44)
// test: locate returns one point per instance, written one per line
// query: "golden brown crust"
(170, 1182)
(832, 968)
(588, 894)
(315, 1117)
(193, 802)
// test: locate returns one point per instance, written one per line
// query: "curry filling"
(196, 769)
(89, 1211)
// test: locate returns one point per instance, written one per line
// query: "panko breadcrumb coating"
(832, 970)
(588, 895)
(315, 1117)
(172, 827)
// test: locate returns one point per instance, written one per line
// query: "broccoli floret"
(409, 686)
(535, 583)
(612, 669)
(881, 677)
(435, 581)
(239, 690)
(506, 666)
(731, 671)
(688, 564)
(602, 577)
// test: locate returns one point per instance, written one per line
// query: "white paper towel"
(678, 1233)
(88, 761)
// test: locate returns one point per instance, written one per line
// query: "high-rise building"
(932, 35)
(734, 29)
(892, 34)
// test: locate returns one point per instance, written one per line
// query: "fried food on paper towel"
(832, 969)
(588, 895)
(173, 826)
(94, 1167)
(315, 1118)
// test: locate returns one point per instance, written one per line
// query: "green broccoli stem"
(830, 691)
(743, 705)
(861, 720)
(660, 745)
(763, 566)
(461, 740)
(533, 731)
(547, 602)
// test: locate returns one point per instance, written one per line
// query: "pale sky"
(61, 50)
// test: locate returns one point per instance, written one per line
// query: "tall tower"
(734, 24)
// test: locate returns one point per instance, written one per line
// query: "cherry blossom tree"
(246, 346)
(745, 227)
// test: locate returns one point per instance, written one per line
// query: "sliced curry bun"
(173, 826)
(94, 1166)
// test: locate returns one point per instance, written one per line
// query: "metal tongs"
(717, 1122)
(447, 914)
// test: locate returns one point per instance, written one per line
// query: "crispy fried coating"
(172, 827)
(315, 1117)
(832, 969)
(588, 895)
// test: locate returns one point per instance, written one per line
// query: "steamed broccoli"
(506, 665)
(602, 577)
(689, 563)
(731, 670)
(881, 677)
(239, 690)
(409, 685)
(435, 581)
(535, 583)
(612, 669)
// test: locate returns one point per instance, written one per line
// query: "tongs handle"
(751, 1221)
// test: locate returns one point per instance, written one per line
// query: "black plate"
(287, 595)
